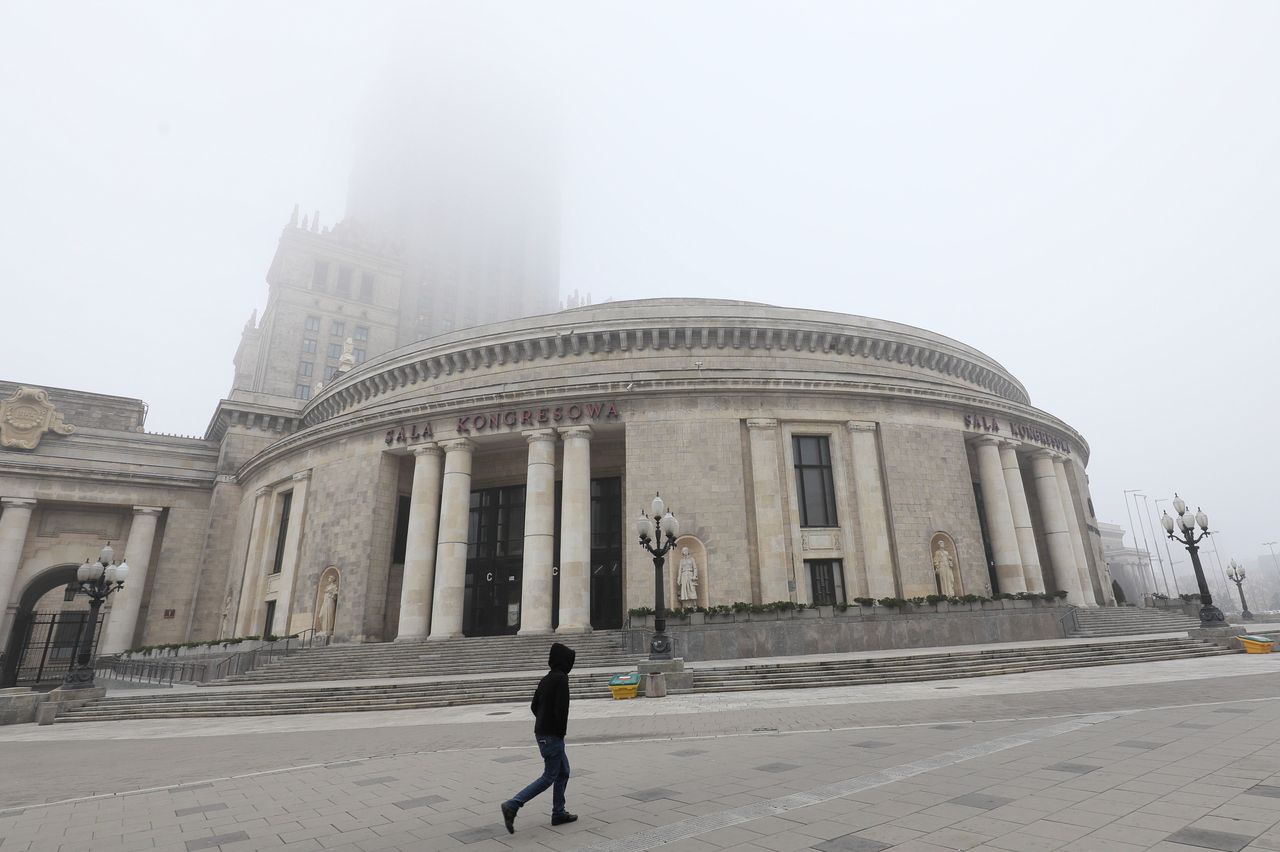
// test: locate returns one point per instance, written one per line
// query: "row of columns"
(1013, 543)
(435, 566)
(122, 623)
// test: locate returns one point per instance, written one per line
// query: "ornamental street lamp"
(663, 534)
(1210, 615)
(97, 580)
(1236, 575)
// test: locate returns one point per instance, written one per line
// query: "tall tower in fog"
(456, 162)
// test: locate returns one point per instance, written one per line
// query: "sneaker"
(561, 819)
(509, 818)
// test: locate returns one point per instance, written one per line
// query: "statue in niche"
(944, 565)
(329, 609)
(688, 577)
(226, 614)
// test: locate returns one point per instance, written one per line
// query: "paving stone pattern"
(1131, 780)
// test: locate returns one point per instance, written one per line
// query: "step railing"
(1070, 620)
(246, 661)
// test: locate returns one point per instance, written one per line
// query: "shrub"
(1192, 598)
(892, 603)
(641, 610)
(865, 601)
(1060, 595)
(935, 599)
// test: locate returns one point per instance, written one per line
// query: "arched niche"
(945, 560)
(698, 552)
(328, 600)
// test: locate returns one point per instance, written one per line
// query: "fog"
(1084, 191)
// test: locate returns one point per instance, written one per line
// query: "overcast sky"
(1085, 191)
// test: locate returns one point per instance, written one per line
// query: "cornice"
(480, 352)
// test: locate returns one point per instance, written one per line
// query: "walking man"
(551, 712)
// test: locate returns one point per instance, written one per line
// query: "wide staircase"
(945, 666)
(1093, 622)
(479, 655)
(517, 688)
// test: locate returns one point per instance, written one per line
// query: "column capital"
(262, 492)
(761, 423)
(147, 510)
(987, 441)
(431, 448)
(18, 502)
(860, 425)
(301, 476)
(584, 432)
(1045, 454)
(533, 436)
(458, 445)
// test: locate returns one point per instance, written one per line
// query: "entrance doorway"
(270, 620)
(495, 557)
(41, 646)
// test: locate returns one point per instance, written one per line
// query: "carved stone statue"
(26, 416)
(348, 359)
(226, 614)
(329, 610)
(688, 576)
(944, 567)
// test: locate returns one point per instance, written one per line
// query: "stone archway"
(55, 634)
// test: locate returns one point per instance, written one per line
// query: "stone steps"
(517, 689)
(1127, 621)
(602, 649)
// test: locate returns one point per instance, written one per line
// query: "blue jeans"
(555, 774)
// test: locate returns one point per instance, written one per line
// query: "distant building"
(1130, 566)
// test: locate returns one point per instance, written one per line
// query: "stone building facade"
(487, 481)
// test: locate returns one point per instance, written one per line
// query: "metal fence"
(168, 671)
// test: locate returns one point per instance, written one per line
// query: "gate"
(46, 646)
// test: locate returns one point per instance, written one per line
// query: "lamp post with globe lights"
(97, 580)
(658, 535)
(1210, 615)
(1236, 575)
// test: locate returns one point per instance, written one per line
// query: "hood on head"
(561, 657)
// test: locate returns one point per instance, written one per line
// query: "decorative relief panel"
(26, 416)
(820, 541)
(106, 524)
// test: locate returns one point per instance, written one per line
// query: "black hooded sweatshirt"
(551, 700)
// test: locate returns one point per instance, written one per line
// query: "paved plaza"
(1178, 755)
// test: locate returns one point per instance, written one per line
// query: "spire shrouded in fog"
(456, 161)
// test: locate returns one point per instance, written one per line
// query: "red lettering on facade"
(557, 414)
(510, 418)
(575, 412)
(526, 418)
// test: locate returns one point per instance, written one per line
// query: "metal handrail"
(1070, 614)
(203, 670)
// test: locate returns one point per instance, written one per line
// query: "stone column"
(15, 518)
(770, 517)
(540, 532)
(575, 532)
(122, 623)
(1056, 533)
(251, 576)
(1077, 541)
(995, 500)
(873, 519)
(451, 551)
(420, 547)
(292, 550)
(1022, 529)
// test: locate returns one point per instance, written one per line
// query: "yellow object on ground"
(1257, 644)
(624, 685)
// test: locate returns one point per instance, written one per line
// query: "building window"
(366, 287)
(826, 581)
(334, 350)
(329, 373)
(304, 369)
(308, 345)
(320, 276)
(362, 334)
(337, 328)
(815, 489)
(360, 355)
(313, 323)
(301, 391)
(344, 281)
(285, 502)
